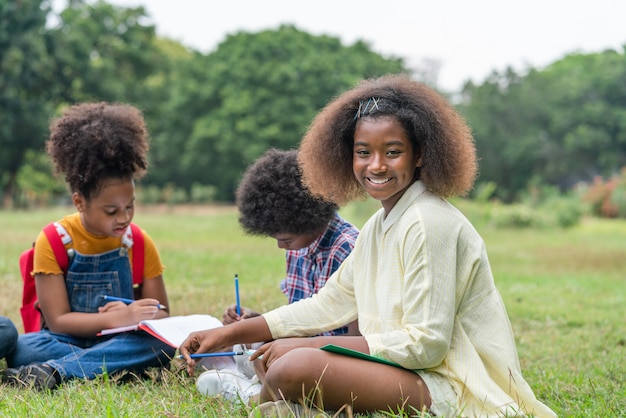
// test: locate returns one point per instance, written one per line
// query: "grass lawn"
(565, 291)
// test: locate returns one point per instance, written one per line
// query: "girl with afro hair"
(418, 279)
(100, 149)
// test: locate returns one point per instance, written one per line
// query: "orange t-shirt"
(85, 243)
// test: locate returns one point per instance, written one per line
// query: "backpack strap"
(138, 254)
(58, 237)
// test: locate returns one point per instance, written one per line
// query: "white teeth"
(381, 181)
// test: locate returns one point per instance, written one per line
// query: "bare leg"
(333, 380)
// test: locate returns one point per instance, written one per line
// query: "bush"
(203, 194)
(173, 195)
(556, 212)
(148, 195)
(564, 212)
(607, 197)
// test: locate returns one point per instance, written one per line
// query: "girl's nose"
(126, 215)
(377, 163)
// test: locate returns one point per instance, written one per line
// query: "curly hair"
(272, 200)
(92, 142)
(437, 132)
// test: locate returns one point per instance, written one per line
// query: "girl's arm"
(55, 307)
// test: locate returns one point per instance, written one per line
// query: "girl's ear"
(418, 161)
(79, 202)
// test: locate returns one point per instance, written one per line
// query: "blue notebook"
(357, 354)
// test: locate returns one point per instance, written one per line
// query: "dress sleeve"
(44, 261)
(332, 307)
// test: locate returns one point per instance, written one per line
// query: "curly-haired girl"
(100, 148)
(418, 279)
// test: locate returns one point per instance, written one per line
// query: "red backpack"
(31, 315)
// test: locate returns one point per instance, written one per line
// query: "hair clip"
(363, 109)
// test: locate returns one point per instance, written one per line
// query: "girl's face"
(384, 160)
(109, 212)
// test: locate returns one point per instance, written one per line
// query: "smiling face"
(110, 211)
(384, 161)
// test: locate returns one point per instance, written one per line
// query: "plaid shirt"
(309, 268)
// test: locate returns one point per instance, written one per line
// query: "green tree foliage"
(508, 118)
(26, 86)
(589, 92)
(107, 53)
(209, 115)
(90, 52)
(257, 90)
(558, 126)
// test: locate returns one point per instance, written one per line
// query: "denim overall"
(90, 277)
(8, 336)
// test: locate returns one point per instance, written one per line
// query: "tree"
(95, 52)
(256, 91)
(26, 88)
(588, 120)
(558, 126)
(107, 53)
(508, 117)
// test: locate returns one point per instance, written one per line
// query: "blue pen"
(237, 295)
(217, 354)
(126, 301)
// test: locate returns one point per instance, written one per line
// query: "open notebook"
(172, 330)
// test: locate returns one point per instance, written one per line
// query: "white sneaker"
(228, 384)
(244, 366)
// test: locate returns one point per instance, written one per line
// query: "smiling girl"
(418, 279)
(100, 148)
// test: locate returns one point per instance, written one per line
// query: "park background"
(550, 199)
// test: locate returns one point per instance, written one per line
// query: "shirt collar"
(403, 204)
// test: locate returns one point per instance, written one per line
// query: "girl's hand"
(202, 342)
(112, 306)
(135, 312)
(143, 309)
(274, 350)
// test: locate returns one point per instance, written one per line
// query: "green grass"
(565, 292)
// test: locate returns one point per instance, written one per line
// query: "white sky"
(469, 38)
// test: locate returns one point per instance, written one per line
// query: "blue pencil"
(237, 295)
(217, 354)
(126, 301)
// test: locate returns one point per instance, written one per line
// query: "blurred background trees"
(540, 134)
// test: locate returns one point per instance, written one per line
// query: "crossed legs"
(329, 380)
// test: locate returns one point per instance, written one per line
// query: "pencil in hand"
(126, 301)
